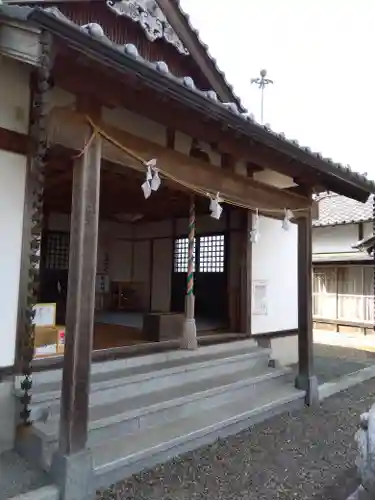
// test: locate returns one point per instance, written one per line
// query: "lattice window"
(181, 255)
(57, 252)
(212, 254)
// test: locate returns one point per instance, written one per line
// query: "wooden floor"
(111, 335)
(107, 336)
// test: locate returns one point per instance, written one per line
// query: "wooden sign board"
(45, 315)
(260, 299)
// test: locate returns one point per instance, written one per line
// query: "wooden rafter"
(76, 79)
(191, 171)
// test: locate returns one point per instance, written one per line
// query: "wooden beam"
(227, 161)
(236, 188)
(81, 302)
(246, 273)
(13, 141)
(171, 138)
(146, 103)
(305, 379)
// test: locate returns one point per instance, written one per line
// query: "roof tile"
(335, 209)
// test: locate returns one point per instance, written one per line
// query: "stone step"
(118, 459)
(44, 493)
(216, 350)
(125, 416)
(130, 382)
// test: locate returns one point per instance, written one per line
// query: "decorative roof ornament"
(148, 14)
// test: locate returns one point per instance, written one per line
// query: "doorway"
(210, 277)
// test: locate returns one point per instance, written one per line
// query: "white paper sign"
(45, 314)
(260, 297)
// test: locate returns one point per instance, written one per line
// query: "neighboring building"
(158, 298)
(343, 262)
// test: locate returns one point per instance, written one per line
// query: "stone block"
(161, 326)
(7, 415)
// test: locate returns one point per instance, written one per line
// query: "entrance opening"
(210, 279)
(142, 259)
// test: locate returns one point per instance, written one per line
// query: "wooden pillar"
(305, 379)
(72, 458)
(246, 280)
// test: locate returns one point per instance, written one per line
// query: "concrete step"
(45, 493)
(223, 350)
(120, 458)
(126, 416)
(110, 386)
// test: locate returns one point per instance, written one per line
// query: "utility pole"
(262, 83)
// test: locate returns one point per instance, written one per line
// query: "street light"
(262, 82)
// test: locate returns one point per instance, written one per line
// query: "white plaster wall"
(161, 275)
(12, 196)
(14, 95)
(285, 349)
(120, 260)
(368, 229)
(142, 268)
(334, 239)
(274, 261)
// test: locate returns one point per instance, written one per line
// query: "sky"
(321, 56)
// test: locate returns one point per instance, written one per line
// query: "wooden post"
(73, 460)
(305, 379)
(246, 281)
(189, 333)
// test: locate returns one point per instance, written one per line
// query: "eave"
(101, 50)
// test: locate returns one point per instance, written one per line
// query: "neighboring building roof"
(92, 40)
(335, 209)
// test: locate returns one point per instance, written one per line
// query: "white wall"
(14, 95)
(335, 239)
(285, 349)
(14, 115)
(274, 261)
(12, 195)
(368, 229)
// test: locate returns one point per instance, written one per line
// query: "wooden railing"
(345, 307)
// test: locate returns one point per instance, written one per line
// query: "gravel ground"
(308, 454)
(18, 476)
(332, 362)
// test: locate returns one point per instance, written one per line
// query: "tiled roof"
(335, 209)
(95, 31)
(206, 49)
